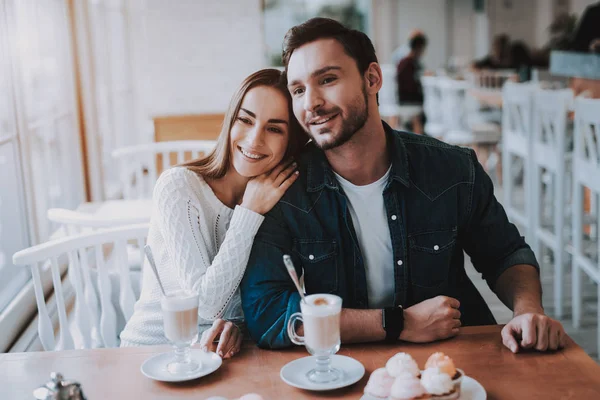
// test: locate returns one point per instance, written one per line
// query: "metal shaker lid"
(59, 389)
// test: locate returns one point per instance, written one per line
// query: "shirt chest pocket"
(430, 257)
(319, 260)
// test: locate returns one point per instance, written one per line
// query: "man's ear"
(374, 78)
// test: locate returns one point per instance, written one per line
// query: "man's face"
(328, 92)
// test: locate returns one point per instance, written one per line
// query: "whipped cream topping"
(380, 383)
(401, 364)
(436, 382)
(407, 387)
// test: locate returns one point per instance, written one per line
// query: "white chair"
(586, 173)
(550, 158)
(517, 141)
(460, 130)
(95, 326)
(432, 105)
(138, 168)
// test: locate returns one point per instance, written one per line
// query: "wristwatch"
(393, 322)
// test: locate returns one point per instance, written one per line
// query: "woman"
(207, 212)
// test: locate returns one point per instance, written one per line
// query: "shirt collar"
(320, 175)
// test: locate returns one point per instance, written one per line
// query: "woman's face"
(260, 132)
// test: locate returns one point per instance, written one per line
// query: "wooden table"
(115, 373)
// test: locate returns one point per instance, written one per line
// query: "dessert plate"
(294, 373)
(470, 389)
(156, 367)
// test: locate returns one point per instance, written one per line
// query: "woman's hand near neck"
(258, 194)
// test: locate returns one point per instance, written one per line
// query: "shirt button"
(436, 247)
(311, 257)
(400, 262)
(394, 217)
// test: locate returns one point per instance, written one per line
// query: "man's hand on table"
(230, 338)
(432, 319)
(533, 330)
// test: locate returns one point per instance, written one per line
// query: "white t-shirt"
(373, 232)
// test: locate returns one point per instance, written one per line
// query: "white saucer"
(294, 373)
(470, 389)
(156, 367)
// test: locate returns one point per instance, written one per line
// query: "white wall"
(393, 20)
(430, 17)
(578, 6)
(197, 52)
(513, 17)
(461, 28)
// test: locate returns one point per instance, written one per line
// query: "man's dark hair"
(356, 44)
(418, 42)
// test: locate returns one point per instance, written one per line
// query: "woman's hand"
(230, 338)
(264, 191)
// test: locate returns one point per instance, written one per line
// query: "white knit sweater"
(198, 244)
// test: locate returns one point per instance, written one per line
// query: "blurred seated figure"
(520, 60)
(404, 50)
(499, 58)
(408, 78)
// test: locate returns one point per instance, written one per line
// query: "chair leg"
(576, 301)
(558, 282)
(598, 321)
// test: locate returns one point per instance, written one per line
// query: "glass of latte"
(320, 318)
(180, 320)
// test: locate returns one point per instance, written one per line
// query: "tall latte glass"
(320, 317)
(180, 319)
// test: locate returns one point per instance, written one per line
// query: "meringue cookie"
(436, 382)
(251, 396)
(402, 363)
(380, 383)
(406, 387)
(443, 362)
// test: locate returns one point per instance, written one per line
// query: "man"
(408, 77)
(381, 217)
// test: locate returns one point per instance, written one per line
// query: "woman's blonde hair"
(217, 162)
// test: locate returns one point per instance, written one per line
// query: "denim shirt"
(439, 202)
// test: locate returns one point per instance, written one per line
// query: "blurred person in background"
(408, 79)
(404, 50)
(499, 58)
(520, 60)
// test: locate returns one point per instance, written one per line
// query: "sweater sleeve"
(187, 240)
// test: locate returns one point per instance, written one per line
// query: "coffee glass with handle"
(180, 320)
(320, 317)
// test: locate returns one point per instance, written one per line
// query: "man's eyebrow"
(316, 73)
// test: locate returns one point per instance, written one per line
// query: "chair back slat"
(108, 317)
(45, 330)
(126, 295)
(587, 143)
(65, 341)
(89, 294)
(82, 312)
(550, 126)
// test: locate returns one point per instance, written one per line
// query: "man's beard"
(358, 113)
